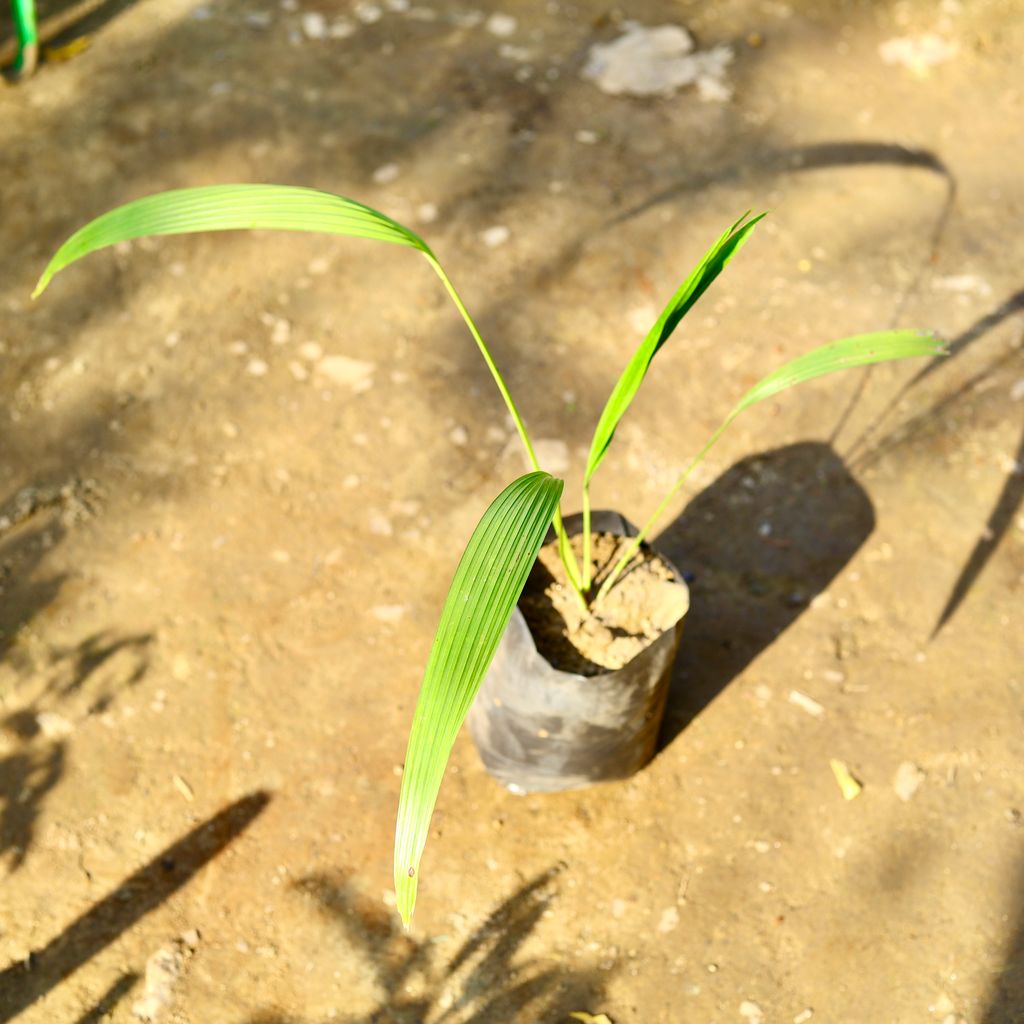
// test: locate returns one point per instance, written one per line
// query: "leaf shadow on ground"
(25, 982)
(486, 981)
(1006, 998)
(48, 687)
(757, 546)
(871, 446)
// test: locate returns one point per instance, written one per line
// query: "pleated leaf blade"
(700, 279)
(858, 350)
(487, 584)
(230, 208)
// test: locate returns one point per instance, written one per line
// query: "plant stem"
(564, 547)
(634, 547)
(587, 567)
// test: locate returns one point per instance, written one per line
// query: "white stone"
(426, 213)
(257, 368)
(669, 920)
(494, 236)
(389, 613)
(552, 454)
(502, 25)
(314, 25)
(907, 780)
(656, 62)
(356, 374)
(751, 1012)
(918, 54)
(385, 174)
(805, 703)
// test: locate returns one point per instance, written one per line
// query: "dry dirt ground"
(222, 560)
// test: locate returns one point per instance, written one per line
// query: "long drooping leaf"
(859, 350)
(227, 208)
(487, 584)
(285, 208)
(700, 279)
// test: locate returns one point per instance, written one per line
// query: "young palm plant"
(497, 560)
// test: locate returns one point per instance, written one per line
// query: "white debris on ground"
(805, 703)
(751, 1012)
(918, 54)
(552, 454)
(163, 969)
(963, 283)
(391, 614)
(494, 236)
(657, 62)
(907, 780)
(501, 25)
(356, 374)
(385, 174)
(669, 920)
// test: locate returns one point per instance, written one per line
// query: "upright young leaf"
(226, 208)
(710, 266)
(487, 584)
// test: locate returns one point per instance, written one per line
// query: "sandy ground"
(221, 566)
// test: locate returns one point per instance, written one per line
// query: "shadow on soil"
(94, 671)
(104, 1006)
(23, 983)
(483, 983)
(869, 448)
(1006, 1000)
(757, 545)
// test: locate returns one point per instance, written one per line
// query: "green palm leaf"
(710, 266)
(487, 584)
(227, 208)
(859, 350)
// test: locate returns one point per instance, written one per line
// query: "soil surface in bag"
(644, 602)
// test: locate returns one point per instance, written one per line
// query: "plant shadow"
(486, 981)
(1006, 999)
(25, 982)
(872, 446)
(756, 547)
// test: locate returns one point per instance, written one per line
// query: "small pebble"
(459, 435)
(380, 524)
(341, 28)
(586, 136)
(385, 174)
(803, 1016)
(501, 25)
(281, 332)
(907, 780)
(426, 213)
(669, 920)
(310, 351)
(751, 1012)
(314, 25)
(53, 726)
(494, 236)
(389, 613)
(805, 703)
(183, 788)
(368, 13)
(256, 368)
(280, 556)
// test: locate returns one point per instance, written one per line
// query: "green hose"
(28, 37)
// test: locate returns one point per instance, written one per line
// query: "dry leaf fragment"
(848, 785)
(589, 1018)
